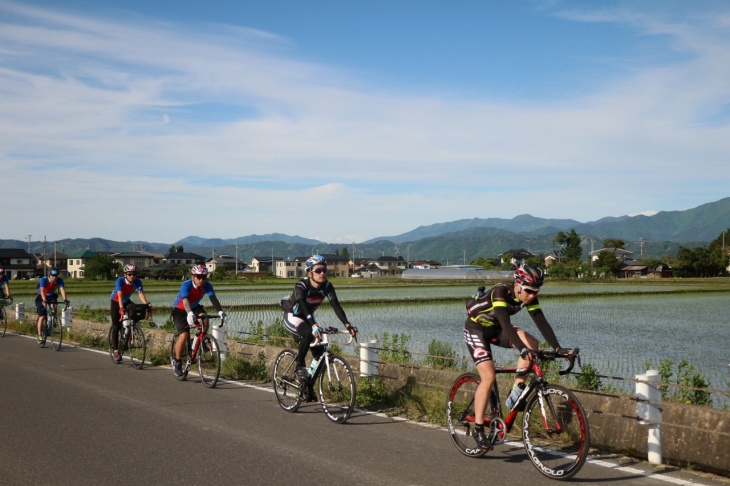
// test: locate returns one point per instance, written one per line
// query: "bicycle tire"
(209, 361)
(460, 414)
(286, 384)
(55, 331)
(560, 451)
(337, 390)
(185, 361)
(136, 346)
(3, 321)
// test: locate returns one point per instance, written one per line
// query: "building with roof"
(77, 262)
(18, 263)
(515, 256)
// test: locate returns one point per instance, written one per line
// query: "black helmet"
(529, 277)
(53, 271)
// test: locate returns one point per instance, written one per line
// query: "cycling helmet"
(53, 271)
(199, 270)
(529, 277)
(315, 260)
(130, 268)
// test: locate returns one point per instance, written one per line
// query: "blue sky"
(343, 121)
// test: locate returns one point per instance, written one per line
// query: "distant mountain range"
(454, 242)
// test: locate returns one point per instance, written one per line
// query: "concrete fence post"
(369, 359)
(67, 317)
(649, 413)
(220, 335)
(20, 311)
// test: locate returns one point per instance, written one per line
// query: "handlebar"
(55, 301)
(331, 330)
(6, 301)
(550, 355)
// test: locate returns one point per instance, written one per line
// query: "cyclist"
(299, 307)
(489, 322)
(4, 285)
(120, 299)
(47, 293)
(187, 306)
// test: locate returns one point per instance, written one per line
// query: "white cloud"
(115, 116)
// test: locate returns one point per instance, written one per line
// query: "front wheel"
(55, 332)
(460, 416)
(556, 443)
(136, 346)
(337, 389)
(286, 384)
(209, 361)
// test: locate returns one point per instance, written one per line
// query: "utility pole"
(641, 245)
(236, 258)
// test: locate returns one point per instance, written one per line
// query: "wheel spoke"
(209, 361)
(286, 384)
(337, 389)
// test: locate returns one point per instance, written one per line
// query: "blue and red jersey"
(50, 287)
(126, 288)
(192, 293)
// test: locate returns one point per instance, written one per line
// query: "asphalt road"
(74, 417)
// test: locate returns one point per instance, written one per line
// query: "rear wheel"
(185, 364)
(136, 346)
(3, 322)
(337, 389)
(209, 361)
(55, 332)
(460, 415)
(557, 444)
(286, 384)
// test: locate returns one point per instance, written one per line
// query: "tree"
(101, 267)
(699, 262)
(344, 252)
(176, 249)
(606, 264)
(571, 240)
(614, 243)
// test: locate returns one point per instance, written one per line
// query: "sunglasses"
(201, 277)
(130, 274)
(320, 270)
(529, 291)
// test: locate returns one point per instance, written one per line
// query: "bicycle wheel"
(558, 442)
(286, 384)
(109, 343)
(460, 414)
(3, 321)
(55, 331)
(185, 363)
(209, 361)
(337, 389)
(136, 346)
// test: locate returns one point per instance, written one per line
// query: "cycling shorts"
(40, 307)
(180, 318)
(479, 340)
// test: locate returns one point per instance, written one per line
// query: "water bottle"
(126, 322)
(192, 345)
(313, 366)
(516, 392)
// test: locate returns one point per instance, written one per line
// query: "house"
(516, 256)
(77, 262)
(337, 266)
(184, 258)
(389, 266)
(264, 264)
(632, 269)
(620, 253)
(425, 264)
(141, 259)
(661, 271)
(44, 262)
(224, 261)
(17, 263)
(553, 256)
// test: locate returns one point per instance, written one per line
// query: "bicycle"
(204, 349)
(555, 430)
(52, 329)
(337, 390)
(132, 339)
(3, 315)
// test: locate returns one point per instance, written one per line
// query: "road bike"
(53, 328)
(131, 341)
(554, 426)
(204, 348)
(3, 315)
(337, 389)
